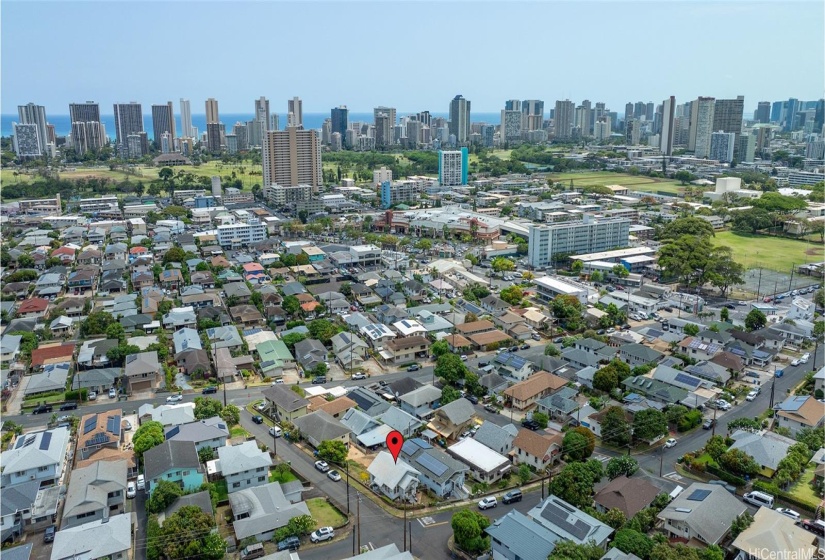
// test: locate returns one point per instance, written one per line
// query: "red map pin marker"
(394, 443)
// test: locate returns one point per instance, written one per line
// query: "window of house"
(42, 469)
(185, 473)
(261, 478)
(236, 485)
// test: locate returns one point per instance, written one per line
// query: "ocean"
(63, 126)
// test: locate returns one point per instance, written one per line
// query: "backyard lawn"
(803, 491)
(238, 431)
(324, 514)
(777, 253)
(221, 491)
(275, 476)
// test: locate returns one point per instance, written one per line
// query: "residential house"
(400, 421)
(72, 307)
(389, 314)
(513, 366)
(525, 394)
(224, 337)
(559, 406)
(395, 479)
(629, 495)
(50, 354)
(210, 433)
(202, 278)
(81, 280)
(335, 408)
(246, 316)
(420, 402)
(405, 349)
(370, 403)
(97, 380)
(377, 334)
(180, 317)
(536, 449)
(102, 539)
(259, 511)
(498, 438)
(244, 465)
(349, 349)
(434, 324)
(320, 426)
(709, 370)
(729, 361)
(239, 291)
(10, 347)
(310, 353)
(23, 509)
(486, 465)
(33, 308)
(367, 430)
(703, 512)
(797, 412)
(186, 339)
(90, 256)
(194, 363)
(175, 461)
(469, 330)
(771, 533)
(97, 431)
(142, 371)
(516, 535)
(39, 456)
(767, 448)
(439, 472)
(201, 500)
(52, 379)
(93, 353)
(17, 289)
(284, 404)
(639, 355)
(95, 493)
(168, 414)
(570, 523)
(452, 419)
(494, 305)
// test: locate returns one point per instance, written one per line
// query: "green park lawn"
(324, 514)
(777, 253)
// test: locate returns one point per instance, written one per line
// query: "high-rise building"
(668, 118)
(167, 143)
(790, 114)
(747, 148)
(512, 105)
(532, 111)
(628, 111)
(511, 120)
(87, 131)
(241, 133)
(186, 119)
(452, 167)
(722, 146)
(163, 120)
(632, 132)
(701, 126)
(602, 129)
(84, 112)
(213, 137)
(777, 111)
(36, 115)
(815, 150)
(727, 117)
(262, 112)
(295, 107)
(26, 142)
(563, 120)
(384, 131)
(292, 157)
(585, 122)
(274, 122)
(819, 117)
(460, 119)
(639, 109)
(763, 140)
(650, 108)
(763, 112)
(590, 235)
(340, 121)
(212, 115)
(128, 122)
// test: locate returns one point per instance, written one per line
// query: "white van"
(759, 499)
(805, 357)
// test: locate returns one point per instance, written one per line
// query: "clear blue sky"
(410, 55)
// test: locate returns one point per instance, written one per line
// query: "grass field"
(777, 253)
(802, 489)
(632, 182)
(324, 514)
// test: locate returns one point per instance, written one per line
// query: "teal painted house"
(175, 461)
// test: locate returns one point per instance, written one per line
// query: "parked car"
(322, 534)
(174, 398)
(275, 431)
(723, 404)
(530, 424)
(558, 340)
(752, 395)
(48, 536)
(708, 424)
(209, 390)
(511, 497)
(514, 349)
(670, 443)
(790, 513)
(805, 357)
(258, 419)
(289, 543)
(359, 375)
(322, 466)
(525, 346)
(260, 406)
(472, 398)
(535, 336)
(334, 476)
(490, 408)
(68, 406)
(487, 503)
(796, 362)
(464, 357)
(319, 380)
(141, 482)
(131, 490)
(42, 409)
(414, 367)
(112, 393)
(483, 364)
(255, 550)
(92, 395)
(814, 526)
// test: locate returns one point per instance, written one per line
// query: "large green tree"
(163, 494)
(725, 271)
(690, 225)
(207, 408)
(687, 258)
(633, 542)
(187, 533)
(333, 450)
(616, 429)
(468, 531)
(649, 424)
(755, 320)
(574, 484)
(621, 465)
(147, 436)
(450, 368)
(569, 550)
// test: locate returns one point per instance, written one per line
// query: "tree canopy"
(468, 530)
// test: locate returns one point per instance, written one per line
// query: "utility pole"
(358, 517)
(773, 386)
(790, 283)
(661, 460)
(713, 426)
(274, 441)
(759, 284)
(410, 549)
(405, 524)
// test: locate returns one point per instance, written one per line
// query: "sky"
(412, 55)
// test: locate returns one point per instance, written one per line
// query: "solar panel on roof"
(559, 516)
(699, 495)
(113, 424)
(431, 464)
(173, 432)
(98, 439)
(90, 424)
(45, 441)
(687, 379)
(25, 442)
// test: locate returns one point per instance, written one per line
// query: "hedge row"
(725, 475)
(774, 490)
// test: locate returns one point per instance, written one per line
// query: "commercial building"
(727, 117)
(295, 112)
(532, 111)
(87, 131)
(763, 112)
(511, 121)
(292, 157)
(239, 235)
(747, 148)
(632, 132)
(212, 111)
(380, 176)
(668, 117)
(452, 167)
(548, 287)
(459, 125)
(563, 119)
(279, 195)
(26, 142)
(186, 119)
(398, 192)
(340, 120)
(588, 236)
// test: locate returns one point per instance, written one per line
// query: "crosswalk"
(600, 457)
(426, 521)
(673, 476)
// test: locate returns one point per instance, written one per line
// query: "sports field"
(776, 253)
(632, 182)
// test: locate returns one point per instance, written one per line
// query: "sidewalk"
(15, 404)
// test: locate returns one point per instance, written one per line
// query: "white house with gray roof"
(515, 535)
(438, 471)
(244, 465)
(703, 512)
(419, 403)
(568, 522)
(37, 456)
(260, 510)
(96, 492)
(210, 433)
(111, 538)
(320, 426)
(394, 479)
(498, 438)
